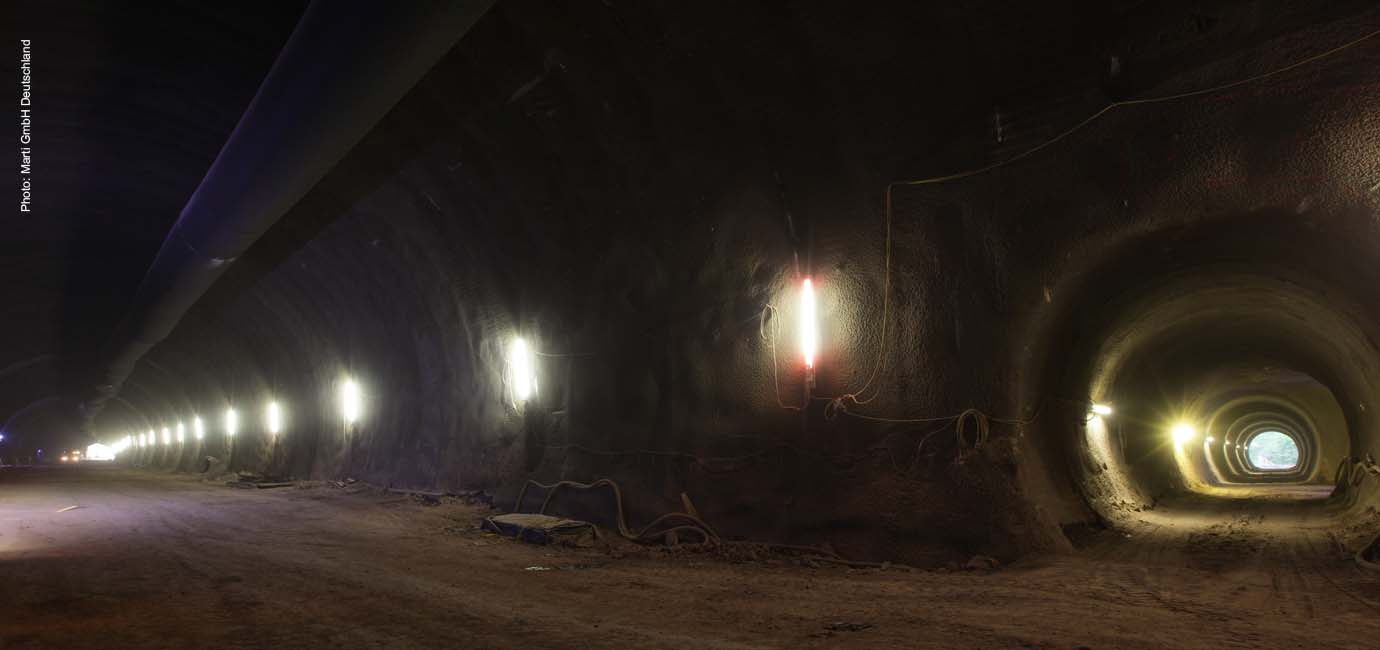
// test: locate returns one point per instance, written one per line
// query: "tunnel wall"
(638, 193)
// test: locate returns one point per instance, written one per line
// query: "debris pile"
(254, 480)
(542, 529)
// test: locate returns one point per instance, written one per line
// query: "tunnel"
(1232, 342)
(583, 323)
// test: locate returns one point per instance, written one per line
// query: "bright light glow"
(1183, 433)
(1209, 440)
(1272, 451)
(809, 327)
(522, 370)
(181, 433)
(232, 422)
(198, 428)
(64, 459)
(99, 451)
(167, 436)
(273, 418)
(349, 401)
(1101, 409)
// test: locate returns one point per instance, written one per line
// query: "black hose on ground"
(1351, 472)
(694, 524)
(644, 536)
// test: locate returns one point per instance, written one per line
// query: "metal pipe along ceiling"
(344, 67)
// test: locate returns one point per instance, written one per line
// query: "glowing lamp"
(522, 371)
(167, 436)
(809, 328)
(273, 418)
(1101, 409)
(181, 433)
(98, 451)
(1183, 433)
(232, 422)
(349, 401)
(198, 428)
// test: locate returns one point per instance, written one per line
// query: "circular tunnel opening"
(1232, 371)
(1272, 451)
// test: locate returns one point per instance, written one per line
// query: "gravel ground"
(153, 560)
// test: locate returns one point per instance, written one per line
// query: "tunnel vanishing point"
(875, 294)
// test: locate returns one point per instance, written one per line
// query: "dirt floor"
(168, 561)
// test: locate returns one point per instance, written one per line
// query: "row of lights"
(521, 375)
(351, 405)
(1181, 433)
(273, 421)
(521, 378)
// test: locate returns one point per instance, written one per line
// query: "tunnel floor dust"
(165, 561)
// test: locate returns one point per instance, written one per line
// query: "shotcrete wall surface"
(639, 198)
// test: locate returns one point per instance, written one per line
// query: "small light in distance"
(198, 427)
(1101, 409)
(522, 370)
(273, 418)
(167, 436)
(349, 401)
(809, 326)
(181, 433)
(1183, 433)
(232, 422)
(1209, 440)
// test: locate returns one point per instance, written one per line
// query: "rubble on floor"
(254, 480)
(542, 529)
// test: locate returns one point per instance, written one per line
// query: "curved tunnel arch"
(1258, 459)
(1236, 334)
(1234, 424)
